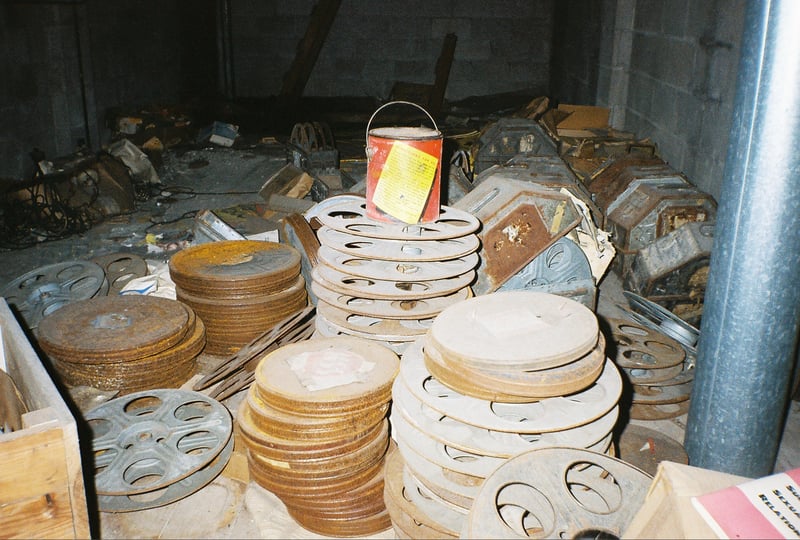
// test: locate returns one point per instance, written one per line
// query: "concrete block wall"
(503, 46)
(65, 64)
(666, 69)
(682, 82)
(40, 57)
(575, 61)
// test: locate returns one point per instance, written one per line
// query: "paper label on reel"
(319, 370)
(514, 322)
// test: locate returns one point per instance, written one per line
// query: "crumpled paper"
(156, 283)
(328, 368)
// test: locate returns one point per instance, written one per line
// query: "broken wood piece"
(256, 347)
(243, 379)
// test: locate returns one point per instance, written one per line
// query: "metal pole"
(752, 303)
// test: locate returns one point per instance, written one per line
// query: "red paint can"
(404, 171)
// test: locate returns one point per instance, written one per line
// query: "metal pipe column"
(752, 303)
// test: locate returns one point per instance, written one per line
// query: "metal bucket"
(403, 171)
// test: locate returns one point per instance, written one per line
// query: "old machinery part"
(507, 137)
(544, 171)
(209, 227)
(610, 189)
(673, 270)
(40, 292)
(653, 210)
(313, 146)
(604, 181)
(171, 440)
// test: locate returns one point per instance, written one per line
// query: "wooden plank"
(443, 64)
(43, 458)
(322, 16)
(34, 485)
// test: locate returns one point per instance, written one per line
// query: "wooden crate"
(42, 492)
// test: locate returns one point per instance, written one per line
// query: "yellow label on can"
(405, 182)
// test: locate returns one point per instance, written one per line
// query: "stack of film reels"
(495, 376)
(315, 427)
(656, 366)
(123, 343)
(239, 288)
(387, 281)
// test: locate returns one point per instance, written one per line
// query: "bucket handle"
(379, 109)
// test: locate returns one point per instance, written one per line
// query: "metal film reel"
(398, 250)
(396, 270)
(350, 215)
(563, 262)
(557, 493)
(44, 290)
(149, 446)
(120, 268)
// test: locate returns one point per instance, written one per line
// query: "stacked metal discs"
(495, 376)
(239, 288)
(316, 432)
(123, 343)
(386, 281)
(657, 368)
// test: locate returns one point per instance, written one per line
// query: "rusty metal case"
(504, 139)
(546, 171)
(652, 210)
(673, 270)
(519, 221)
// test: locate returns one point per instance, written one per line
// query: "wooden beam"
(322, 17)
(442, 75)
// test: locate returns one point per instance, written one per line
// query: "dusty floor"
(231, 507)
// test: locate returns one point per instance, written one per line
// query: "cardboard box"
(582, 117)
(668, 511)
